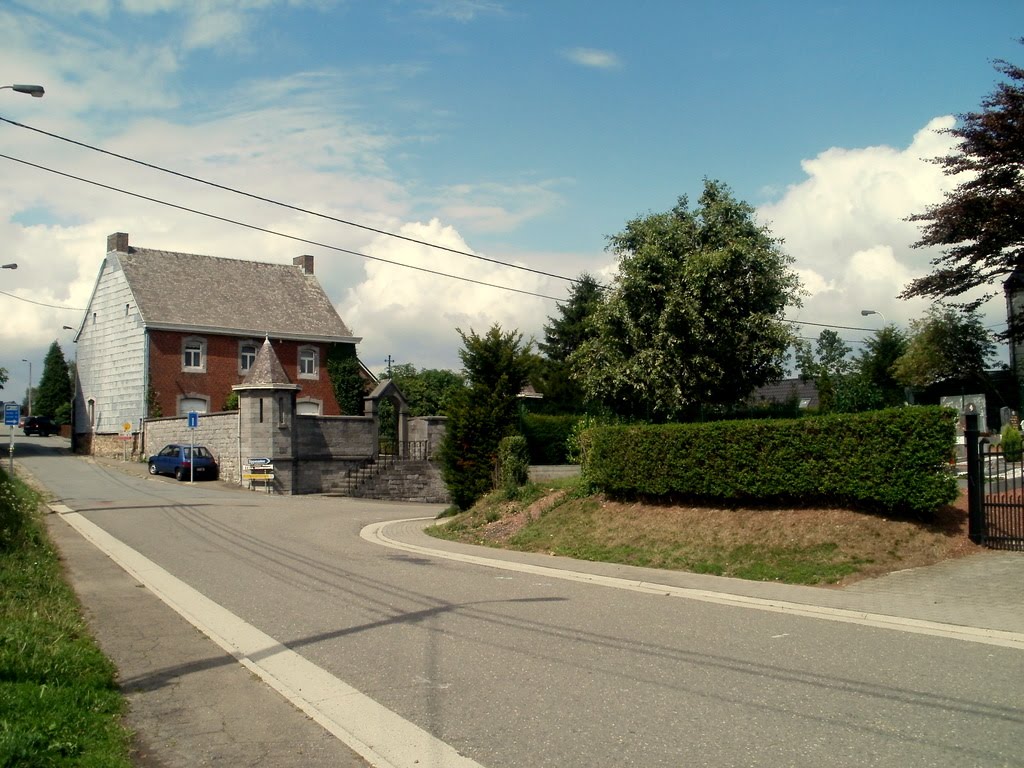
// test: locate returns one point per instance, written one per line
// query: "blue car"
(182, 461)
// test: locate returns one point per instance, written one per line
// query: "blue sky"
(523, 131)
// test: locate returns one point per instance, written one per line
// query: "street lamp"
(866, 312)
(36, 91)
(9, 266)
(29, 385)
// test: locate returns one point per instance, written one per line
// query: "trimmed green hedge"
(546, 436)
(893, 460)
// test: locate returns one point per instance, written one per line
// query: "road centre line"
(378, 735)
(375, 533)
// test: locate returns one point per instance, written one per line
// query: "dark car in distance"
(40, 425)
(183, 461)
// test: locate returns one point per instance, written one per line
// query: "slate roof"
(183, 291)
(781, 391)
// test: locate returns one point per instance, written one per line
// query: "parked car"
(40, 425)
(184, 461)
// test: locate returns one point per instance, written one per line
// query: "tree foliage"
(853, 385)
(945, 344)
(979, 223)
(4, 376)
(496, 367)
(826, 367)
(346, 380)
(563, 335)
(876, 367)
(427, 391)
(53, 394)
(695, 314)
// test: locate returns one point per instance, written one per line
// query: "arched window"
(246, 356)
(309, 363)
(193, 354)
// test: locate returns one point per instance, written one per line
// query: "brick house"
(166, 333)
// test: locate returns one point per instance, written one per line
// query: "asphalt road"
(515, 669)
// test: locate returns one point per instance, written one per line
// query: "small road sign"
(12, 414)
(193, 419)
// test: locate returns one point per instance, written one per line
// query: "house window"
(195, 403)
(246, 356)
(309, 363)
(91, 405)
(194, 355)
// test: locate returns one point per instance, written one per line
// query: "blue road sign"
(193, 419)
(12, 414)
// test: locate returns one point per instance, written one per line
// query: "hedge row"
(546, 436)
(894, 460)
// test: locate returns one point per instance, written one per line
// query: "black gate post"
(975, 482)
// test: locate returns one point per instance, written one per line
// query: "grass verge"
(59, 705)
(817, 546)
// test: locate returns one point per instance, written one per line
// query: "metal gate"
(995, 489)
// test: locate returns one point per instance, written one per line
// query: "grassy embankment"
(794, 545)
(59, 705)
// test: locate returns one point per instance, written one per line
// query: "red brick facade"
(220, 357)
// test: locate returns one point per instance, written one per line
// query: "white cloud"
(496, 207)
(846, 227)
(463, 10)
(413, 315)
(592, 57)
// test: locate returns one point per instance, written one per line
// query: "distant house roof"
(805, 392)
(189, 292)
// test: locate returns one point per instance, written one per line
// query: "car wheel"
(179, 473)
(152, 468)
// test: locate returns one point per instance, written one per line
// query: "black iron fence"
(995, 489)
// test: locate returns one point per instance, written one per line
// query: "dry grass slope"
(826, 546)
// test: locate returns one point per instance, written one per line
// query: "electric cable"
(265, 230)
(289, 206)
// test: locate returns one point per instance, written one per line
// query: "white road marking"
(378, 735)
(375, 533)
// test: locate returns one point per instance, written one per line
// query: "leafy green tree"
(54, 392)
(343, 371)
(979, 223)
(945, 344)
(4, 376)
(427, 391)
(563, 335)
(496, 366)
(695, 314)
(827, 367)
(876, 367)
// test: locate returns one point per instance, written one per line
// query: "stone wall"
(335, 437)
(428, 429)
(109, 446)
(217, 431)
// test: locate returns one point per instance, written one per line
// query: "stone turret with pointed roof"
(267, 371)
(266, 406)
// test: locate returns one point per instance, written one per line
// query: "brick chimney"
(305, 261)
(117, 242)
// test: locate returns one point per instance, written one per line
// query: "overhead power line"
(289, 206)
(311, 213)
(265, 230)
(42, 303)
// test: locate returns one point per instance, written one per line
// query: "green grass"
(59, 705)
